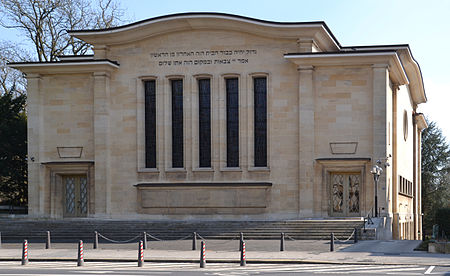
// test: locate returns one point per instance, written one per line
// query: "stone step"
(74, 229)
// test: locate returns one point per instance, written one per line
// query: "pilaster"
(35, 134)
(102, 143)
(306, 141)
(100, 52)
(379, 128)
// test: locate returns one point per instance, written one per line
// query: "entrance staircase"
(72, 230)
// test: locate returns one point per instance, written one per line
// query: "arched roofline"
(316, 30)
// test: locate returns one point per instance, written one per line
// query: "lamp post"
(376, 172)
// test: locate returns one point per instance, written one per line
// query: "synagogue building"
(209, 116)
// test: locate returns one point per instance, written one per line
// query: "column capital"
(305, 68)
(380, 66)
(395, 87)
(34, 76)
(101, 74)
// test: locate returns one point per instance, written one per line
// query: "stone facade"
(332, 112)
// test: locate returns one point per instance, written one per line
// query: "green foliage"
(435, 175)
(443, 220)
(13, 150)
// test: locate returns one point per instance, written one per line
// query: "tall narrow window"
(232, 91)
(204, 120)
(150, 124)
(260, 121)
(177, 124)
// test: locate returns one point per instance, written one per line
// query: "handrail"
(369, 219)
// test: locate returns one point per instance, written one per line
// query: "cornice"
(388, 59)
(420, 121)
(65, 67)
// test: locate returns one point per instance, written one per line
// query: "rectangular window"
(204, 120)
(260, 121)
(150, 123)
(177, 124)
(406, 187)
(232, 97)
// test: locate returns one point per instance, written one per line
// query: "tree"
(13, 128)
(45, 23)
(13, 152)
(435, 174)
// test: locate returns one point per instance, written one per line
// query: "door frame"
(56, 171)
(348, 165)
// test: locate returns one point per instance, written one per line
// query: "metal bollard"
(194, 241)
(241, 240)
(145, 240)
(141, 254)
(47, 243)
(203, 255)
(80, 259)
(25, 252)
(243, 262)
(282, 242)
(356, 235)
(332, 242)
(0, 239)
(95, 239)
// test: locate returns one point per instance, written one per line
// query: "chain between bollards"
(145, 240)
(243, 262)
(332, 242)
(80, 259)
(141, 254)
(194, 241)
(203, 255)
(95, 239)
(25, 252)
(282, 242)
(47, 243)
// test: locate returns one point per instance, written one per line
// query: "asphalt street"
(127, 268)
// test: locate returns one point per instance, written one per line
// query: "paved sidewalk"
(263, 251)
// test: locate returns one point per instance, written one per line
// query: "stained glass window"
(353, 193)
(338, 193)
(150, 124)
(204, 110)
(232, 91)
(260, 121)
(177, 124)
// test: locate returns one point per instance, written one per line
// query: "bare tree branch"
(11, 80)
(44, 22)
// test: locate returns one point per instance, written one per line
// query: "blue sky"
(424, 25)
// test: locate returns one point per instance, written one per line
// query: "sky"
(424, 25)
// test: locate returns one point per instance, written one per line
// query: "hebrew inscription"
(203, 57)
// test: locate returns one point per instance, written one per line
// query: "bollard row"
(143, 245)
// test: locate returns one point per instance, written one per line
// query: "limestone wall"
(248, 56)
